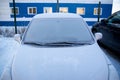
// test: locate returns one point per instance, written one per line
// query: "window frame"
(47, 8)
(15, 11)
(28, 8)
(79, 8)
(63, 8)
(113, 17)
(97, 11)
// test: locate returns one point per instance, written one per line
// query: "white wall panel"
(4, 10)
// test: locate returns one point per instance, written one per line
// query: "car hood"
(85, 62)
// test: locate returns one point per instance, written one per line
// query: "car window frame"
(25, 33)
(112, 16)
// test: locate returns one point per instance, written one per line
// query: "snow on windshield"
(58, 30)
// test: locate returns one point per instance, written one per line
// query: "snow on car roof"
(57, 15)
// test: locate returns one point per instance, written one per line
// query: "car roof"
(57, 15)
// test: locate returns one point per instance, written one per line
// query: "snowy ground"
(8, 47)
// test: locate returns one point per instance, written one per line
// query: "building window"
(96, 11)
(47, 10)
(80, 10)
(63, 9)
(32, 10)
(16, 10)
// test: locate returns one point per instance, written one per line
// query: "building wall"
(23, 17)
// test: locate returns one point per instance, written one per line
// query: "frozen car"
(59, 46)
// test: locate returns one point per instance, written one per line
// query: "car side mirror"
(17, 38)
(98, 36)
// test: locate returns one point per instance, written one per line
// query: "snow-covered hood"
(61, 63)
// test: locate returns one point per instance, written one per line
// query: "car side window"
(115, 19)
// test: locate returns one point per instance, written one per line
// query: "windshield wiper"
(34, 43)
(57, 43)
(65, 43)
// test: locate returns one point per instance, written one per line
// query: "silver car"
(59, 46)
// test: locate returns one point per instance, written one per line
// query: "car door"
(114, 25)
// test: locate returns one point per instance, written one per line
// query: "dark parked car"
(110, 28)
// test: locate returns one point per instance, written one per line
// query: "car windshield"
(115, 18)
(56, 31)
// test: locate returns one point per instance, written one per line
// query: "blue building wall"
(89, 9)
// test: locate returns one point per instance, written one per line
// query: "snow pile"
(10, 31)
(8, 49)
